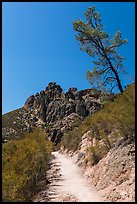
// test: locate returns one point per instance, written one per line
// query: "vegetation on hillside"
(24, 165)
(8, 118)
(25, 160)
(13, 124)
(112, 123)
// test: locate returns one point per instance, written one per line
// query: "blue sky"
(39, 46)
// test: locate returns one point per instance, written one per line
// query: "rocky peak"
(53, 88)
(52, 106)
(70, 94)
(53, 110)
(29, 102)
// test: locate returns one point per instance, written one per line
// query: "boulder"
(53, 90)
(70, 108)
(42, 92)
(58, 137)
(29, 102)
(81, 108)
(71, 93)
(42, 110)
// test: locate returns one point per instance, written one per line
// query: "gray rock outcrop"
(51, 106)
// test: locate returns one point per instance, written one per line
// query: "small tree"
(95, 41)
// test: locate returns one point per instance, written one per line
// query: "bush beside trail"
(24, 164)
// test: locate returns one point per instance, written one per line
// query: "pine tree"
(97, 43)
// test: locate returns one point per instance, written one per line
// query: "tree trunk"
(116, 74)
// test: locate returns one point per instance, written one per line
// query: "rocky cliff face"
(58, 112)
(52, 104)
(53, 110)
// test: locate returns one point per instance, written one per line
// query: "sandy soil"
(67, 182)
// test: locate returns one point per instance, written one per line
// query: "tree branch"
(115, 46)
(106, 72)
(96, 45)
(107, 79)
(113, 87)
(90, 38)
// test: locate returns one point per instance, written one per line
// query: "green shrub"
(95, 157)
(72, 139)
(86, 161)
(24, 164)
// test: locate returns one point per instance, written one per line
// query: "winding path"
(67, 182)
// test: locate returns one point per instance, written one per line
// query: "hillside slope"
(95, 128)
(104, 146)
(107, 126)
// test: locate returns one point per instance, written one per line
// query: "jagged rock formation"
(52, 104)
(58, 112)
(54, 111)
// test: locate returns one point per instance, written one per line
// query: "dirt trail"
(67, 182)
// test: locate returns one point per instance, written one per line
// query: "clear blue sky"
(39, 46)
